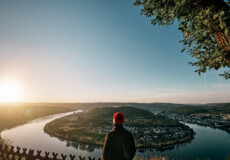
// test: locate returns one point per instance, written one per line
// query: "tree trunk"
(221, 39)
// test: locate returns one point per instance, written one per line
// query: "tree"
(205, 26)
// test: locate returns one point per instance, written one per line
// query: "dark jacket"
(119, 144)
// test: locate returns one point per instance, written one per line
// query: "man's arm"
(106, 153)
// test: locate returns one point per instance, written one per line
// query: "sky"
(97, 51)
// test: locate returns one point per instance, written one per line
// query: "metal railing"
(18, 153)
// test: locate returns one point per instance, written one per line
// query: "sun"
(10, 92)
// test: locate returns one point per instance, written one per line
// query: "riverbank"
(160, 147)
(212, 115)
(149, 130)
(15, 115)
(215, 121)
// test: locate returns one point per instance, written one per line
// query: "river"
(208, 142)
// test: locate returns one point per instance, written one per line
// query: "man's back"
(119, 144)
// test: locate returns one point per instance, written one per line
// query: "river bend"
(208, 142)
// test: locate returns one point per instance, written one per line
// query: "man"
(119, 143)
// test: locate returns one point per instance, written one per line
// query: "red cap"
(118, 118)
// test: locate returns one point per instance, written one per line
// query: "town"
(156, 134)
(219, 120)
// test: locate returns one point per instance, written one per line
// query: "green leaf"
(222, 13)
(183, 50)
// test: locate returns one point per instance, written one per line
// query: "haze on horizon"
(96, 51)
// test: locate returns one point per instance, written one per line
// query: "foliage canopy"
(205, 26)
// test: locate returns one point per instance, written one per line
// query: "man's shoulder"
(127, 131)
(124, 130)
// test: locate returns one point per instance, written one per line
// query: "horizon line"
(66, 102)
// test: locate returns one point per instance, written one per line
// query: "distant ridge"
(89, 105)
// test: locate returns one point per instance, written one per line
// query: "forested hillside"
(207, 108)
(13, 115)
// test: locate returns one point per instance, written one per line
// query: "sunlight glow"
(10, 92)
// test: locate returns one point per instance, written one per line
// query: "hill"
(14, 115)
(215, 108)
(87, 106)
(149, 130)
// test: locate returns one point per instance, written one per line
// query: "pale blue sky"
(104, 50)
